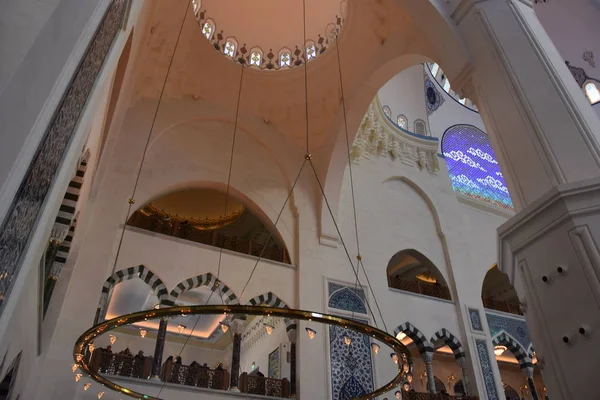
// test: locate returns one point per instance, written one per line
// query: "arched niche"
(214, 216)
(411, 271)
(498, 293)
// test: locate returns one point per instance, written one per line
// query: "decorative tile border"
(486, 369)
(516, 328)
(22, 216)
(475, 319)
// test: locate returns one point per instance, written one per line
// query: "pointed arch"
(270, 299)
(515, 348)
(209, 280)
(450, 340)
(416, 335)
(140, 271)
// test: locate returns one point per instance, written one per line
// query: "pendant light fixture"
(311, 333)
(375, 347)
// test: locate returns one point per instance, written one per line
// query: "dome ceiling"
(198, 204)
(270, 33)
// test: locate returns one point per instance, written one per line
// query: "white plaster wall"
(405, 94)
(20, 23)
(174, 260)
(258, 350)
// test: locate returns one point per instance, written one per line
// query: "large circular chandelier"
(402, 354)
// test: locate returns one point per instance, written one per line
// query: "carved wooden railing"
(182, 230)
(264, 386)
(417, 286)
(119, 364)
(506, 306)
(434, 396)
(196, 375)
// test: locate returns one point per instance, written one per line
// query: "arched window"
(472, 166)
(256, 57)
(387, 111)
(498, 293)
(411, 271)
(208, 29)
(311, 50)
(230, 47)
(592, 92)
(285, 58)
(446, 84)
(402, 122)
(434, 69)
(420, 127)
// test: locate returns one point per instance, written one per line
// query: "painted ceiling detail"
(433, 97)
(378, 136)
(268, 42)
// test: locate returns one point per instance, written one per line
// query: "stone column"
(532, 389)
(159, 348)
(236, 327)
(545, 135)
(292, 336)
(465, 374)
(428, 358)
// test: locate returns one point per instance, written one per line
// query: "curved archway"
(411, 271)
(208, 280)
(269, 299)
(447, 338)
(504, 339)
(423, 345)
(497, 293)
(208, 214)
(141, 272)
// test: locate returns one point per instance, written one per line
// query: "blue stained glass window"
(472, 166)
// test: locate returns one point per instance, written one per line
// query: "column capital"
(427, 356)
(237, 325)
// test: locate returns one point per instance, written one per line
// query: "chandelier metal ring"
(104, 327)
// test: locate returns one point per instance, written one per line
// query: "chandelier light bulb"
(398, 394)
(224, 327)
(409, 378)
(400, 335)
(375, 347)
(269, 329)
(311, 333)
(100, 394)
(405, 368)
(87, 386)
(347, 340)
(156, 306)
(498, 350)
(112, 339)
(143, 333)
(91, 347)
(74, 367)
(79, 357)
(181, 328)
(78, 377)
(394, 357)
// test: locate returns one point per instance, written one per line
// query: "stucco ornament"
(378, 137)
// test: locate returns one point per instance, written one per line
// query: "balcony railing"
(176, 228)
(264, 386)
(432, 396)
(196, 375)
(508, 307)
(120, 364)
(417, 286)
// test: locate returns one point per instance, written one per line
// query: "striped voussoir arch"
(63, 252)
(420, 340)
(69, 203)
(208, 280)
(450, 340)
(271, 300)
(141, 272)
(515, 348)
